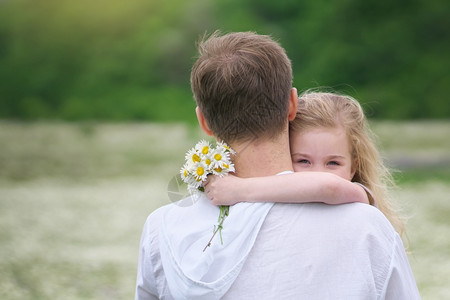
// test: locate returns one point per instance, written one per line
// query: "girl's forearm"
(301, 187)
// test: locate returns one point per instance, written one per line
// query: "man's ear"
(293, 100)
(202, 122)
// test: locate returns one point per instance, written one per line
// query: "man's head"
(242, 85)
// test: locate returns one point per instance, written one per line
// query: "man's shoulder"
(185, 204)
(356, 228)
(184, 213)
(365, 218)
(156, 217)
(364, 213)
(356, 209)
(156, 221)
(351, 217)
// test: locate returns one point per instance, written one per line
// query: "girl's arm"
(299, 187)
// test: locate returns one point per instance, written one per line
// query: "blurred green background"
(96, 114)
(130, 60)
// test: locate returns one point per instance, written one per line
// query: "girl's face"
(322, 150)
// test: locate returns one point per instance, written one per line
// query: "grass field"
(74, 197)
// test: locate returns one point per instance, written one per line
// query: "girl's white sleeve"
(369, 194)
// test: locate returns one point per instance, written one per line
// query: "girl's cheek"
(300, 168)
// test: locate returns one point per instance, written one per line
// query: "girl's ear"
(202, 122)
(293, 101)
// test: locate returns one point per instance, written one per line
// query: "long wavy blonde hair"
(331, 110)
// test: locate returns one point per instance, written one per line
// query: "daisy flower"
(188, 178)
(192, 156)
(226, 147)
(200, 171)
(220, 160)
(203, 147)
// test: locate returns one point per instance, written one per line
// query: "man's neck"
(258, 158)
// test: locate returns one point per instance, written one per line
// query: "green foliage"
(123, 60)
(136, 103)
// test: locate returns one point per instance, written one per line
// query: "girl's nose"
(317, 168)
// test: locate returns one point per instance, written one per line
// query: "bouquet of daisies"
(201, 161)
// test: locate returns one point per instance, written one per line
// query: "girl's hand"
(226, 190)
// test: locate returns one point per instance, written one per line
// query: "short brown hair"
(241, 83)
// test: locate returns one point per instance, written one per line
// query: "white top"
(369, 194)
(299, 251)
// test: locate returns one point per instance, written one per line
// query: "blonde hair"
(330, 110)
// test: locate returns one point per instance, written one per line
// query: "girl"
(330, 138)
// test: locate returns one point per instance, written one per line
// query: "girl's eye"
(334, 163)
(303, 161)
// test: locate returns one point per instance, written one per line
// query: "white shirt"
(281, 251)
(319, 251)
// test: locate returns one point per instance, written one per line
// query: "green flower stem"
(224, 211)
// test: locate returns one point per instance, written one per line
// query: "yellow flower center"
(185, 173)
(226, 166)
(207, 161)
(205, 150)
(218, 170)
(200, 171)
(217, 156)
(196, 158)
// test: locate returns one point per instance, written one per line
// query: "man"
(242, 83)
